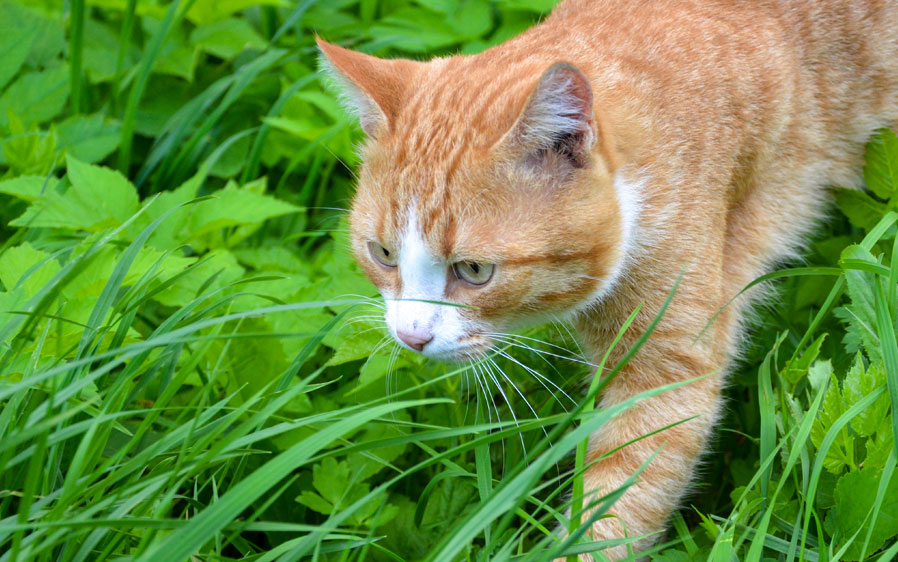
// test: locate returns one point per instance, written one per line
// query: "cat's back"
(827, 68)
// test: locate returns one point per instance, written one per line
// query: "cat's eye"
(382, 255)
(473, 272)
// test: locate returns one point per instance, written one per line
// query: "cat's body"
(680, 134)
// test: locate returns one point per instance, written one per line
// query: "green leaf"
(839, 455)
(862, 210)
(207, 11)
(29, 150)
(315, 502)
(854, 497)
(819, 373)
(98, 198)
(233, 206)
(178, 57)
(218, 266)
(36, 96)
(858, 383)
(89, 138)
(16, 36)
(415, 29)
(881, 167)
(227, 38)
(880, 444)
(860, 313)
(798, 367)
(101, 48)
(16, 262)
(472, 19)
(28, 188)
(11, 301)
(106, 188)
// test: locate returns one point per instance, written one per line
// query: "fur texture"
(597, 155)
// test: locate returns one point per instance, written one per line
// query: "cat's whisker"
(542, 352)
(529, 405)
(394, 353)
(537, 340)
(559, 322)
(467, 384)
(523, 397)
(341, 209)
(342, 163)
(486, 383)
(514, 416)
(540, 377)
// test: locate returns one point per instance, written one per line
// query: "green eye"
(473, 272)
(382, 255)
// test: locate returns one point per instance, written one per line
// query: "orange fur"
(720, 121)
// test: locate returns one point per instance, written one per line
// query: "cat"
(581, 166)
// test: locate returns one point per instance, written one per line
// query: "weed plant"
(193, 368)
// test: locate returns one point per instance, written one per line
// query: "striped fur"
(712, 129)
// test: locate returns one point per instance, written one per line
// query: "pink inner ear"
(557, 119)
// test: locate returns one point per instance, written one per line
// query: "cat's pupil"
(386, 252)
(474, 267)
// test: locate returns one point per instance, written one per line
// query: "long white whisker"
(539, 377)
(509, 341)
(514, 417)
(566, 329)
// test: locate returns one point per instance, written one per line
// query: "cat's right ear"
(557, 122)
(372, 88)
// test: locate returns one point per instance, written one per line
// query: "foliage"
(192, 366)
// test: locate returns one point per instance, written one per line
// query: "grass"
(192, 366)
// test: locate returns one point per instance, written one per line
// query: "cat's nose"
(415, 341)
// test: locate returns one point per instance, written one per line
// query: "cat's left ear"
(373, 88)
(557, 118)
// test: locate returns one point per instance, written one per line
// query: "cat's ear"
(372, 88)
(557, 118)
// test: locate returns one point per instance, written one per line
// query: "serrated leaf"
(879, 445)
(860, 313)
(315, 502)
(881, 163)
(233, 206)
(833, 406)
(98, 198)
(331, 479)
(858, 383)
(854, 496)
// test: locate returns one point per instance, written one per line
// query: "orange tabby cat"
(579, 167)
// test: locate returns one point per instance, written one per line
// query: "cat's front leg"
(646, 506)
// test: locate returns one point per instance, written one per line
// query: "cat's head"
(487, 187)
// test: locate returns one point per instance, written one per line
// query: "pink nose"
(414, 341)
